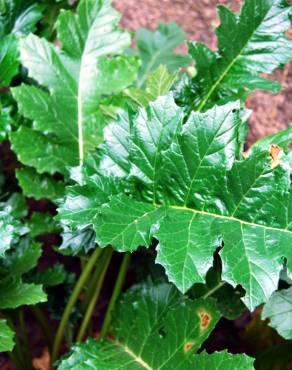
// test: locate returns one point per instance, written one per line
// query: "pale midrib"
(229, 218)
(136, 358)
(229, 66)
(80, 116)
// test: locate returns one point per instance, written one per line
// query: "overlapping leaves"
(249, 44)
(188, 186)
(143, 328)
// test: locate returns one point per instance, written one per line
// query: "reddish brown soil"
(271, 112)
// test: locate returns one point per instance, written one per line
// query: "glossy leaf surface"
(249, 44)
(188, 186)
(66, 117)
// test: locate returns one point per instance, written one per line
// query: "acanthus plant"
(148, 156)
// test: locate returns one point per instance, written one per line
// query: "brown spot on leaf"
(205, 319)
(275, 153)
(188, 346)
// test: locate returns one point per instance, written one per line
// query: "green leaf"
(15, 293)
(67, 121)
(53, 276)
(279, 310)
(17, 18)
(10, 230)
(6, 337)
(249, 44)
(21, 260)
(39, 186)
(223, 361)
(8, 59)
(143, 329)
(189, 187)
(158, 84)
(42, 223)
(156, 48)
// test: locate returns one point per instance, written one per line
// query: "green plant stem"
(90, 287)
(26, 350)
(116, 292)
(44, 325)
(16, 355)
(213, 290)
(72, 300)
(100, 279)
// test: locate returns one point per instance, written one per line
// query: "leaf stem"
(72, 300)
(116, 292)
(44, 325)
(99, 279)
(213, 290)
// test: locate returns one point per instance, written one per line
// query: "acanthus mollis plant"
(177, 178)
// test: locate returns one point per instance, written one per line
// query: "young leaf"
(279, 310)
(158, 84)
(156, 48)
(189, 187)
(6, 337)
(143, 329)
(66, 115)
(249, 44)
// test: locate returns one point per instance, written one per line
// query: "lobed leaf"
(188, 186)
(143, 328)
(249, 44)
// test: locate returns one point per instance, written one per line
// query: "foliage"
(188, 186)
(249, 44)
(142, 149)
(148, 341)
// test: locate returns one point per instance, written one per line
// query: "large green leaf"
(67, 120)
(16, 293)
(17, 18)
(279, 310)
(156, 48)
(249, 44)
(6, 337)
(189, 187)
(143, 329)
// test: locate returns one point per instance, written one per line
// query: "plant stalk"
(44, 325)
(116, 292)
(72, 300)
(26, 350)
(100, 275)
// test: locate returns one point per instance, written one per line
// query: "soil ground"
(198, 18)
